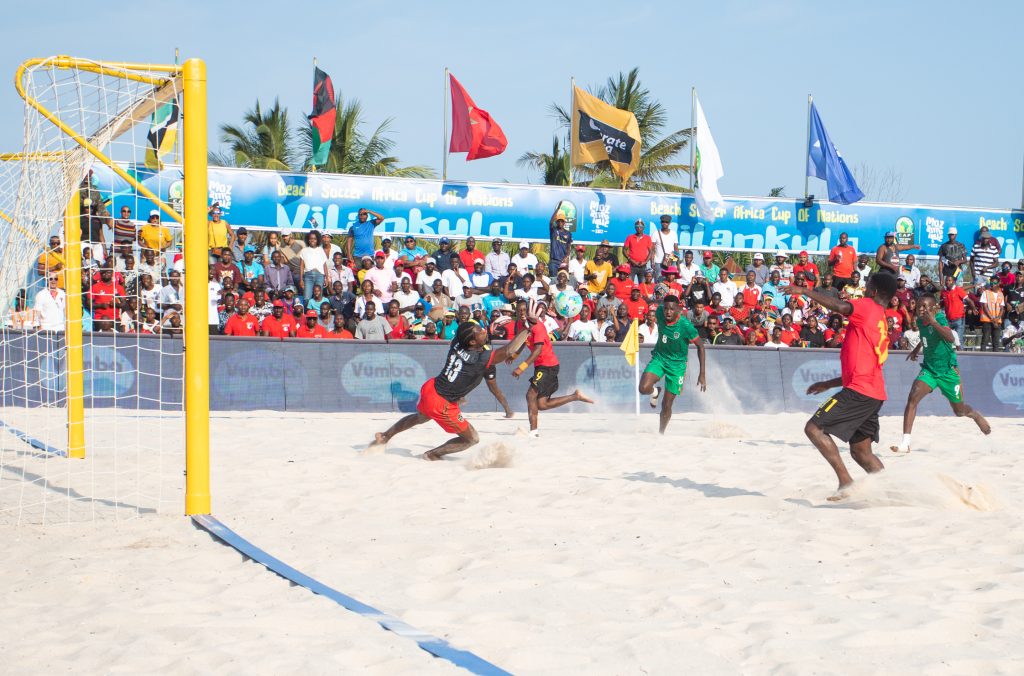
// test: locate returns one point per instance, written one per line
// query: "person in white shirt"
(406, 296)
(339, 272)
(51, 303)
(496, 262)
(383, 277)
(864, 268)
(910, 272)
(584, 329)
(776, 341)
(390, 255)
(328, 244)
(213, 289)
(726, 287)
(172, 296)
(454, 279)
(368, 292)
(149, 293)
(479, 279)
(784, 268)
(524, 260)
(666, 244)
(687, 269)
(577, 267)
(649, 329)
(427, 276)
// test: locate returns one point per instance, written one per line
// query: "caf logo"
(904, 230)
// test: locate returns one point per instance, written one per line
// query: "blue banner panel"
(430, 208)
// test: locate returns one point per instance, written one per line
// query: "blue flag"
(825, 162)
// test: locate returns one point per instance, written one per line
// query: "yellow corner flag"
(601, 131)
(631, 345)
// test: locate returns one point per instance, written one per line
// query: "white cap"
(952, 231)
(758, 257)
(154, 212)
(524, 245)
(430, 259)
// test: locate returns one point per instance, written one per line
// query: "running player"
(939, 370)
(469, 358)
(544, 382)
(852, 414)
(675, 333)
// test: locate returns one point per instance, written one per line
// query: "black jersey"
(463, 370)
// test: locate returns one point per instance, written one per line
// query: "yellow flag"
(631, 345)
(603, 132)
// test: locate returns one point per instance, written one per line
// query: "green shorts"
(672, 372)
(948, 383)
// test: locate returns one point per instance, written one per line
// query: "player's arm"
(701, 380)
(843, 307)
(908, 247)
(525, 364)
(506, 352)
(821, 386)
(916, 351)
(377, 217)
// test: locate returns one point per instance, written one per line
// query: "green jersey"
(939, 356)
(674, 339)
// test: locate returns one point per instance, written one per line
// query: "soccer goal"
(102, 205)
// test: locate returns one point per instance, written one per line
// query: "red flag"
(473, 130)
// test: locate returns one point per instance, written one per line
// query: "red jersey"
(539, 336)
(790, 335)
(830, 334)
(843, 258)
(740, 313)
(241, 325)
(103, 293)
(646, 290)
(315, 332)
(289, 323)
(637, 308)
(865, 349)
(398, 330)
(805, 268)
(470, 257)
(273, 327)
(896, 316)
(344, 334)
(623, 289)
(675, 289)
(751, 295)
(953, 303)
(638, 248)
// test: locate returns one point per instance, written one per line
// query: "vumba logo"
(254, 377)
(110, 374)
(607, 376)
(812, 372)
(1008, 385)
(381, 376)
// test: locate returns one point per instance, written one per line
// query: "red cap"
(580, 247)
(312, 313)
(708, 254)
(803, 253)
(399, 263)
(277, 303)
(380, 254)
(623, 268)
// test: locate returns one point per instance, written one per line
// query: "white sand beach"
(600, 548)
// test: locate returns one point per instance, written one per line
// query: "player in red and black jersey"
(852, 414)
(469, 358)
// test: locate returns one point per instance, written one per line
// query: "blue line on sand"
(32, 441)
(433, 645)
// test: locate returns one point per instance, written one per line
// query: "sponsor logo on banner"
(935, 229)
(1008, 385)
(111, 374)
(812, 372)
(176, 196)
(617, 143)
(609, 377)
(382, 376)
(904, 230)
(254, 378)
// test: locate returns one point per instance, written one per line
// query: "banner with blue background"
(259, 199)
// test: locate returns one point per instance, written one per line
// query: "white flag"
(709, 167)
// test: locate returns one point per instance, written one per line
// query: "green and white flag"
(708, 166)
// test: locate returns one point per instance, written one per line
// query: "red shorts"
(440, 410)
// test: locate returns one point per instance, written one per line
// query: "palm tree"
(263, 141)
(777, 192)
(354, 153)
(658, 166)
(554, 166)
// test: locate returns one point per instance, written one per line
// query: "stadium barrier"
(252, 374)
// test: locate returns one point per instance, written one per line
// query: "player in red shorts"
(469, 358)
(852, 414)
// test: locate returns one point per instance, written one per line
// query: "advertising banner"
(432, 208)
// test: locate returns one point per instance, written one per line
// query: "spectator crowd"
(313, 284)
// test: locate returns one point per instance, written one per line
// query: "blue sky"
(931, 90)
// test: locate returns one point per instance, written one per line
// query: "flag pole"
(572, 117)
(177, 137)
(312, 165)
(807, 147)
(636, 382)
(693, 134)
(444, 123)
(1022, 189)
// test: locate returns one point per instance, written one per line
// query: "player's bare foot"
(584, 398)
(431, 455)
(900, 449)
(510, 414)
(983, 425)
(378, 444)
(841, 494)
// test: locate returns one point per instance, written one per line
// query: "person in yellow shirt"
(220, 235)
(52, 260)
(597, 272)
(153, 235)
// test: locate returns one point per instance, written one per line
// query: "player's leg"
(492, 385)
(531, 405)
(409, 421)
(860, 451)
(952, 389)
(666, 412)
(649, 380)
(466, 438)
(548, 403)
(545, 383)
(828, 449)
(918, 391)
(963, 410)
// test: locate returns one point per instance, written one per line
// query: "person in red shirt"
(273, 325)
(836, 332)
(623, 282)
(750, 291)
(399, 325)
(470, 254)
(544, 382)
(312, 328)
(639, 251)
(740, 311)
(635, 305)
(105, 296)
(790, 333)
(852, 413)
(670, 278)
(339, 332)
(954, 303)
(810, 270)
(647, 286)
(842, 258)
(242, 323)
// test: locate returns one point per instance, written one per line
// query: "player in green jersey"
(675, 333)
(939, 370)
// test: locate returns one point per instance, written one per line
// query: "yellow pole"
(197, 339)
(73, 328)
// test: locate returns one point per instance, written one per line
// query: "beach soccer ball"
(568, 303)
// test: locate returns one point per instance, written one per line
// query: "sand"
(598, 548)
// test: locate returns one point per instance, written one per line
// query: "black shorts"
(841, 282)
(850, 416)
(491, 373)
(545, 380)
